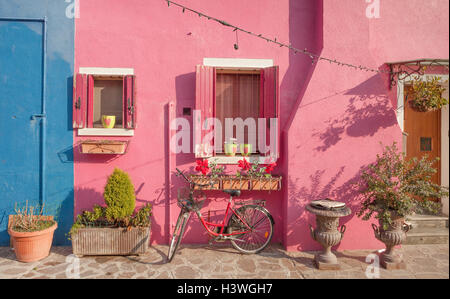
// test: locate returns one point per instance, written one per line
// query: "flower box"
(114, 147)
(235, 183)
(110, 241)
(202, 180)
(263, 183)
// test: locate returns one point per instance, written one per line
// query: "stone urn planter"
(393, 236)
(110, 241)
(327, 232)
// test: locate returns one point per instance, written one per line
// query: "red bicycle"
(249, 228)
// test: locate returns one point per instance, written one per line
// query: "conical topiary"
(119, 196)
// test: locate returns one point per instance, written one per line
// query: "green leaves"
(428, 94)
(119, 196)
(393, 183)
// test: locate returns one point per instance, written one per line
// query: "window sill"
(235, 159)
(105, 132)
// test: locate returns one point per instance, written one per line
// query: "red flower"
(202, 165)
(244, 164)
(270, 167)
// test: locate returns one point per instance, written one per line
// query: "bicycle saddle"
(232, 192)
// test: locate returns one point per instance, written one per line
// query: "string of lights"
(314, 57)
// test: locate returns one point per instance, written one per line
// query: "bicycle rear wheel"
(178, 233)
(261, 223)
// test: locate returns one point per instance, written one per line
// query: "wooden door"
(424, 134)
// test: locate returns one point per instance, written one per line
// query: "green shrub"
(119, 196)
(394, 184)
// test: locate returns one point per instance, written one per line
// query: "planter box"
(234, 183)
(204, 181)
(271, 184)
(110, 241)
(114, 147)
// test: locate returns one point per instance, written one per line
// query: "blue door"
(21, 99)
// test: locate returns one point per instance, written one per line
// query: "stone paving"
(215, 262)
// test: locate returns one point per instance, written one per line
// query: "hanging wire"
(314, 57)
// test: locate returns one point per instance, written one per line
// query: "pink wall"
(333, 118)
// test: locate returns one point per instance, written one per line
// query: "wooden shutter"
(90, 101)
(204, 106)
(129, 102)
(79, 101)
(270, 102)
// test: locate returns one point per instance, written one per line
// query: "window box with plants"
(115, 229)
(250, 176)
(393, 188)
(31, 233)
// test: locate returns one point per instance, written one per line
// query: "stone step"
(427, 236)
(427, 221)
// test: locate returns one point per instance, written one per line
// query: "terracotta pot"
(266, 184)
(32, 246)
(234, 183)
(205, 181)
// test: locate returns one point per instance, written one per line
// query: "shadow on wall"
(348, 192)
(368, 111)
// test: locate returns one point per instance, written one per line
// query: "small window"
(96, 96)
(108, 100)
(425, 144)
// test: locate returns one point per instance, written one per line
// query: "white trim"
(105, 132)
(235, 159)
(102, 71)
(238, 62)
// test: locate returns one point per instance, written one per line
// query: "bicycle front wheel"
(178, 233)
(261, 229)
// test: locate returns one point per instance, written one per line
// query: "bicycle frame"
(207, 224)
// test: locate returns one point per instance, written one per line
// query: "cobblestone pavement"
(203, 261)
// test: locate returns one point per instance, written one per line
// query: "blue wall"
(21, 163)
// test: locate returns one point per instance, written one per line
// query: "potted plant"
(262, 179)
(115, 229)
(393, 188)
(108, 121)
(210, 175)
(31, 233)
(240, 181)
(428, 94)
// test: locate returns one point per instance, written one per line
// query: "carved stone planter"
(327, 233)
(110, 241)
(391, 237)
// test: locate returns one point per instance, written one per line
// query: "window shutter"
(90, 101)
(79, 101)
(270, 101)
(204, 114)
(129, 102)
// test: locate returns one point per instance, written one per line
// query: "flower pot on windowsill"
(113, 147)
(108, 121)
(213, 183)
(246, 149)
(235, 183)
(230, 149)
(266, 183)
